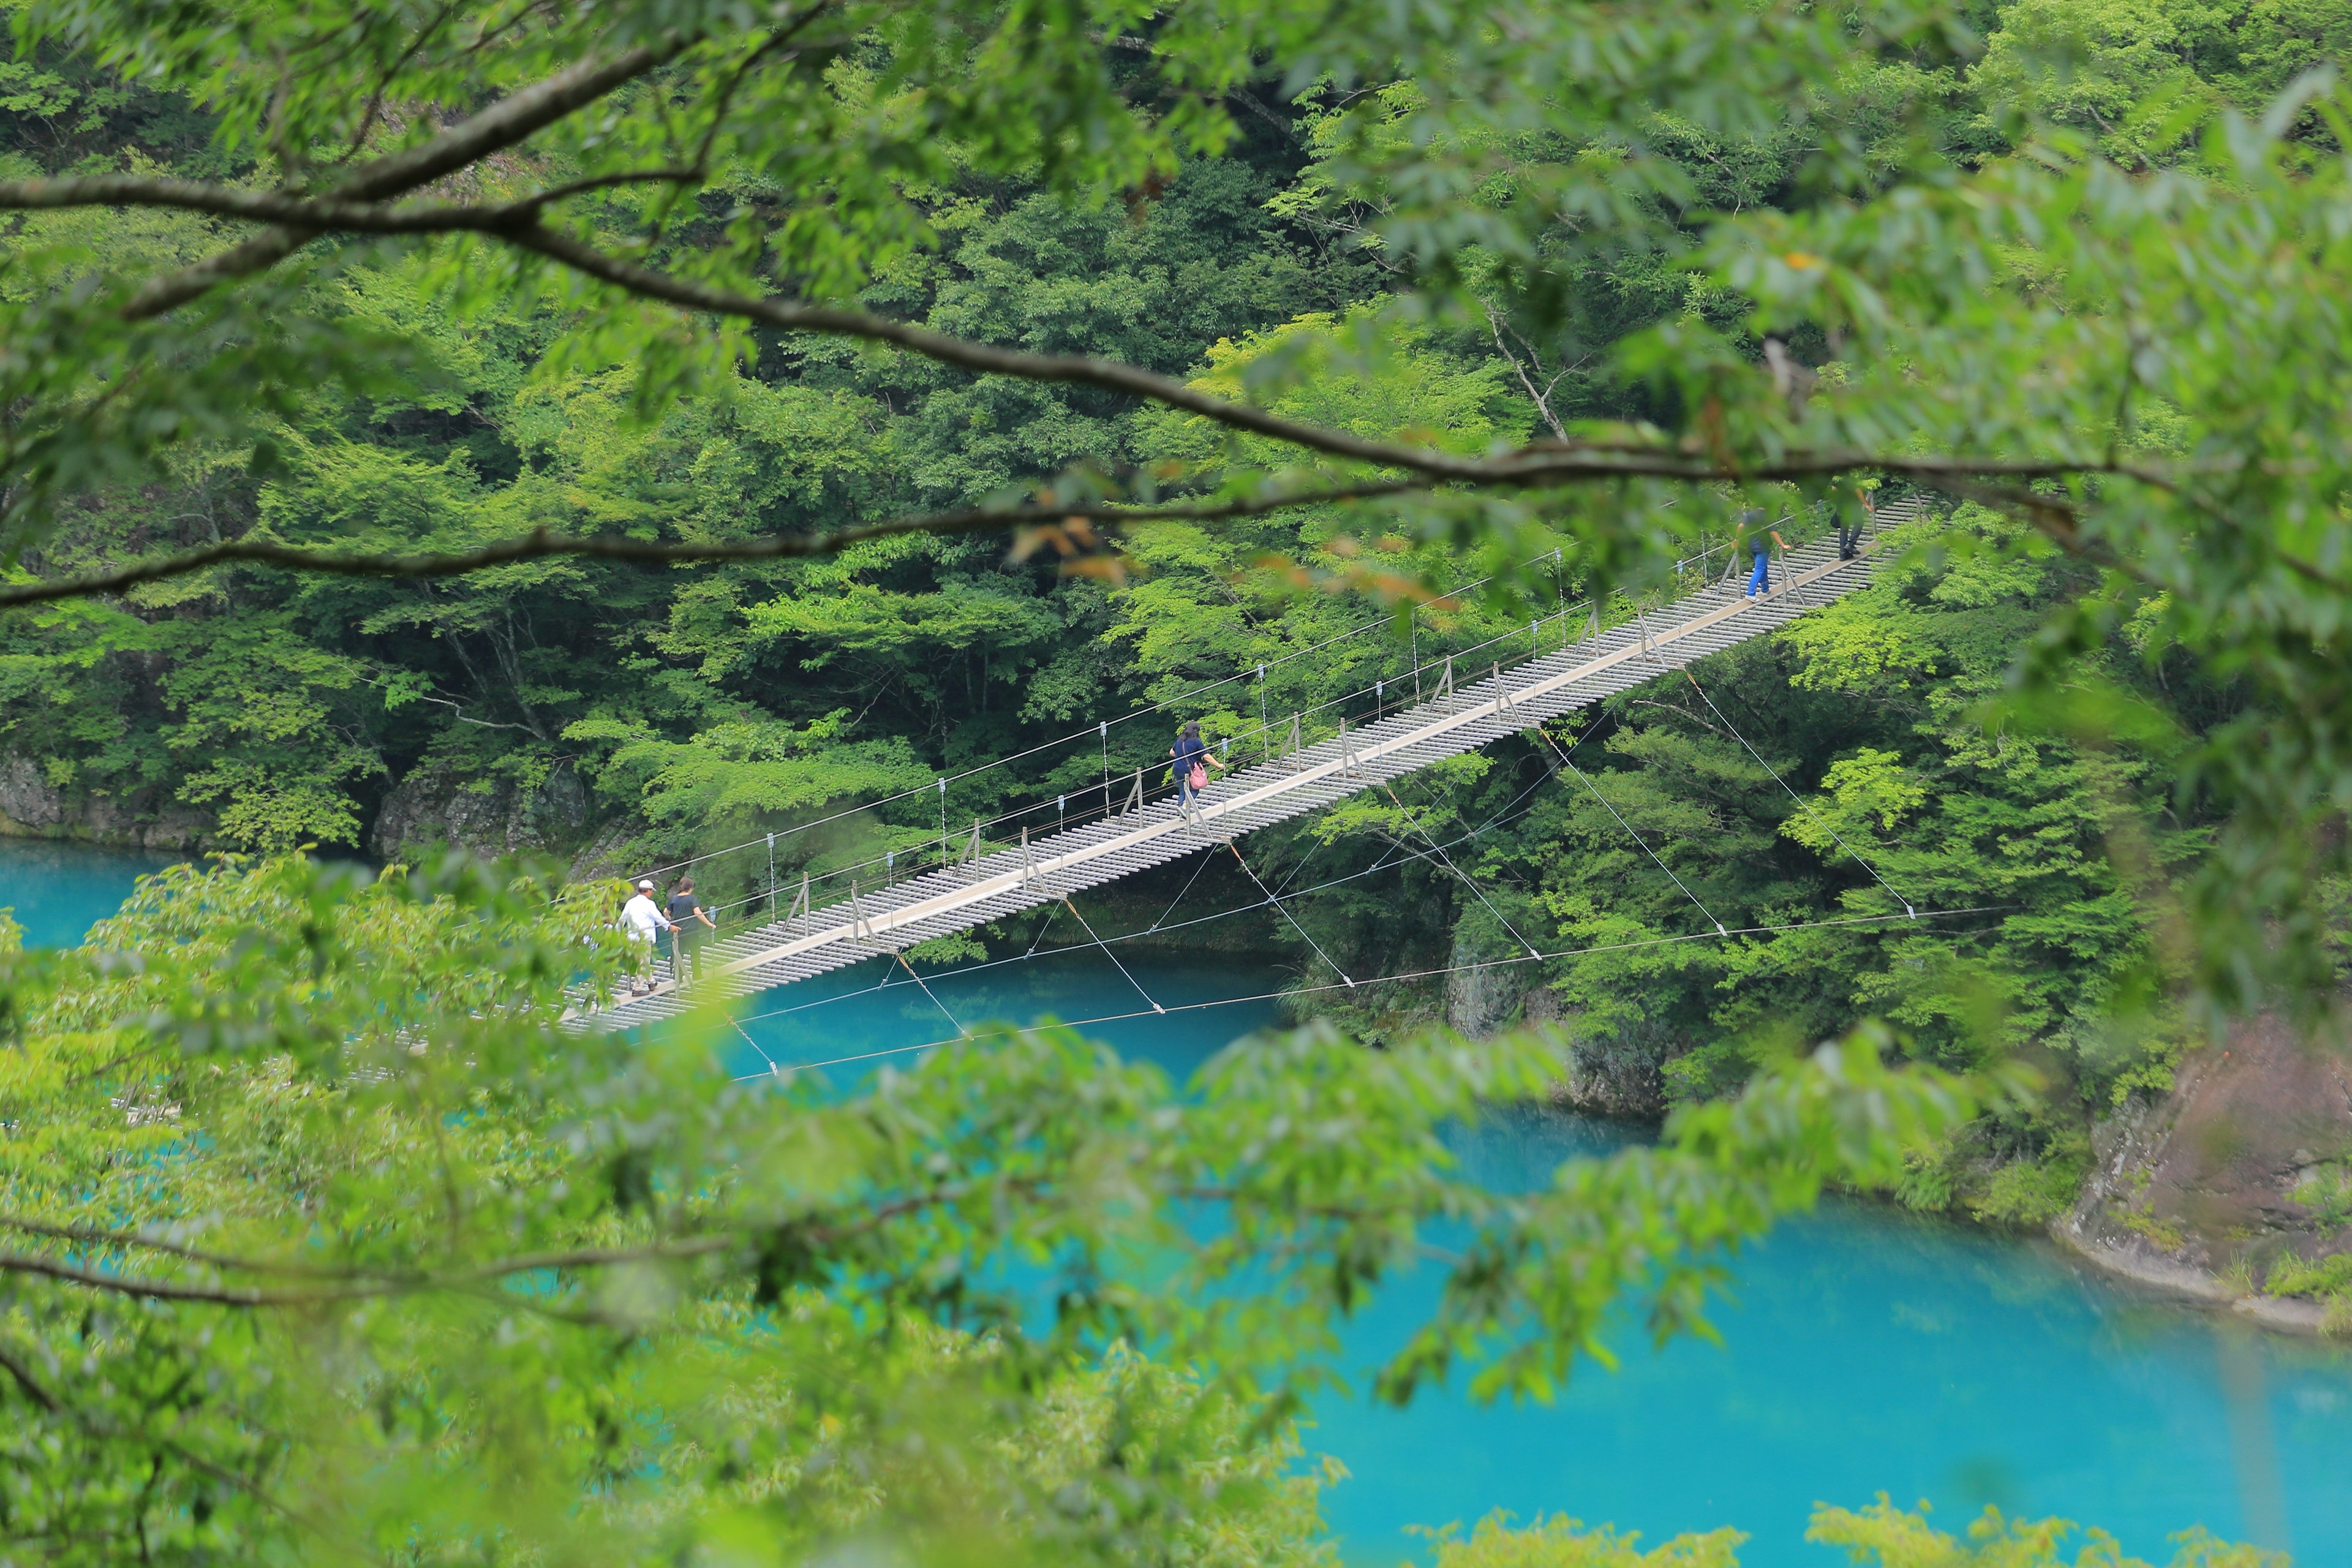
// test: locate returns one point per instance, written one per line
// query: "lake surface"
(1866, 1351)
(57, 892)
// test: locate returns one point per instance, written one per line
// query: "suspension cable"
(1777, 779)
(773, 1069)
(1285, 914)
(1188, 888)
(1569, 763)
(962, 1033)
(1103, 726)
(1122, 968)
(1505, 814)
(1447, 861)
(1431, 974)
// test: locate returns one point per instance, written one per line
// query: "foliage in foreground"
(330, 1240)
(1879, 1536)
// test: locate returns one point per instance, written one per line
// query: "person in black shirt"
(1855, 511)
(1194, 761)
(689, 923)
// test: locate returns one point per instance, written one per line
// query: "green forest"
(414, 460)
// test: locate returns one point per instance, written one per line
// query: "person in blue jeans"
(1759, 580)
(1194, 761)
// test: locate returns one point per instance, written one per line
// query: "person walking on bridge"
(1194, 761)
(641, 923)
(1761, 541)
(689, 923)
(1857, 510)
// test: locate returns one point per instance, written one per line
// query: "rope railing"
(1299, 730)
(1116, 790)
(1075, 737)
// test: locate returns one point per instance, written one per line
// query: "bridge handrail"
(1683, 585)
(953, 848)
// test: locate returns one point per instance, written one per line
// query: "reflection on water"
(1866, 1350)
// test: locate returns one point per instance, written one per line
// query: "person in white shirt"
(641, 920)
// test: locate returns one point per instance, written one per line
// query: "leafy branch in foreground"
(541, 544)
(468, 1221)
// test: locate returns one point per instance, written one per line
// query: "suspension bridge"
(972, 884)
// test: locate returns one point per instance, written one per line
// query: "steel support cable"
(1102, 730)
(962, 1033)
(1428, 975)
(1285, 914)
(1286, 877)
(1447, 861)
(772, 1069)
(1501, 817)
(1039, 940)
(1017, 813)
(1777, 779)
(1569, 763)
(1179, 898)
(1419, 667)
(1377, 867)
(1098, 942)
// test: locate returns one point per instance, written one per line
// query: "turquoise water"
(1866, 1350)
(56, 891)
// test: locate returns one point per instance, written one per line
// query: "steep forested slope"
(627, 715)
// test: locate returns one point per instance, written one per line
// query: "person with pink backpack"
(1194, 761)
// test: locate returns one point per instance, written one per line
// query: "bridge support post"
(800, 905)
(1446, 679)
(1348, 764)
(1296, 743)
(1134, 797)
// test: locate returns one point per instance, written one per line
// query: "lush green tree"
(374, 384)
(328, 1240)
(1618, 211)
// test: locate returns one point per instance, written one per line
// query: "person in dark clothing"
(689, 923)
(1194, 761)
(1856, 511)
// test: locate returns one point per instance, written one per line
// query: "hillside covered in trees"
(610, 433)
(625, 716)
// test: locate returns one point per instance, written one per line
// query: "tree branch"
(509, 121)
(33, 1388)
(359, 1284)
(1110, 375)
(92, 1235)
(541, 544)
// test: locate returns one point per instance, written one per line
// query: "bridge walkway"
(1053, 867)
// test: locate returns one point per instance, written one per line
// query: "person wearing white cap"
(642, 920)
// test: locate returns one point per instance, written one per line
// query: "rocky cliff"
(32, 806)
(433, 807)
(2237, 1185)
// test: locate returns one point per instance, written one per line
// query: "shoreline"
(2182, 1282)
(2280, 1314)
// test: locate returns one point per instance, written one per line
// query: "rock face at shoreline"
(433, 806)
(32, 807)
(2239, 1172)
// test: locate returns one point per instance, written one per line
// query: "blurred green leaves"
(326, 1226)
